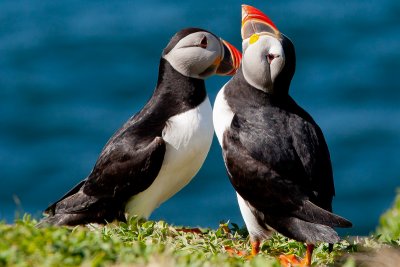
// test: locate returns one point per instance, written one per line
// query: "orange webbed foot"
(293, 260)
(234, 252)
(290, 261)
(255, 249)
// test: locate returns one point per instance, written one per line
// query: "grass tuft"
(150, 243)
(143, 243)
(389, 223)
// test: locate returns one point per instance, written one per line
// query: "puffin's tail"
(310, 224)
(72, 209)
(51, 210)
(312, 213)
(81, 209)
(306, 231)
(48, 221)
(61, 219)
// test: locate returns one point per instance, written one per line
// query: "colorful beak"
(254, 21)
(231, 61)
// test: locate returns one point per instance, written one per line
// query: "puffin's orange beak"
(254, 21)
(231, 61)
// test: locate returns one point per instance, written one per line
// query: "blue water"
(71, 72)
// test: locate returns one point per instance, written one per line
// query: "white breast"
(188, 138)
(222, 115)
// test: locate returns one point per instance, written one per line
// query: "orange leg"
(307, 259)
(255, 247)
(292, 260)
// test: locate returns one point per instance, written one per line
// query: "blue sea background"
(72, 72)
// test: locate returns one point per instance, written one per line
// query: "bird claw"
(234, 252)
(255, 249)
(293, 261)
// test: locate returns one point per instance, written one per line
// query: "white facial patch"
(192, 59)
(277, 64)
(245, 44)
(258, 70)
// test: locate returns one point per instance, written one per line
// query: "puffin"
(275, 154)
(159, 149)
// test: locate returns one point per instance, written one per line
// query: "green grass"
(148, 243)
(389, 224)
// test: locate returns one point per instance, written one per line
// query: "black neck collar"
(190, 91)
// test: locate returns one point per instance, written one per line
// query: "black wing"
(287, 138)
(311, 148)
(124, 168)
(267, 171)
(257, 181)
(51, 209)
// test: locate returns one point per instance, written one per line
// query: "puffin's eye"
(270, 57)
(203, 43)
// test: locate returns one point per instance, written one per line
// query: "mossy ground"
(149, 243)
(389, 223)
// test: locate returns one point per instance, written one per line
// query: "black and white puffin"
(158, 150)
(275, 154)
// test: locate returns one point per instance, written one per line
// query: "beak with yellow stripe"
(256, 22)
(265, 52)
(231, 60)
